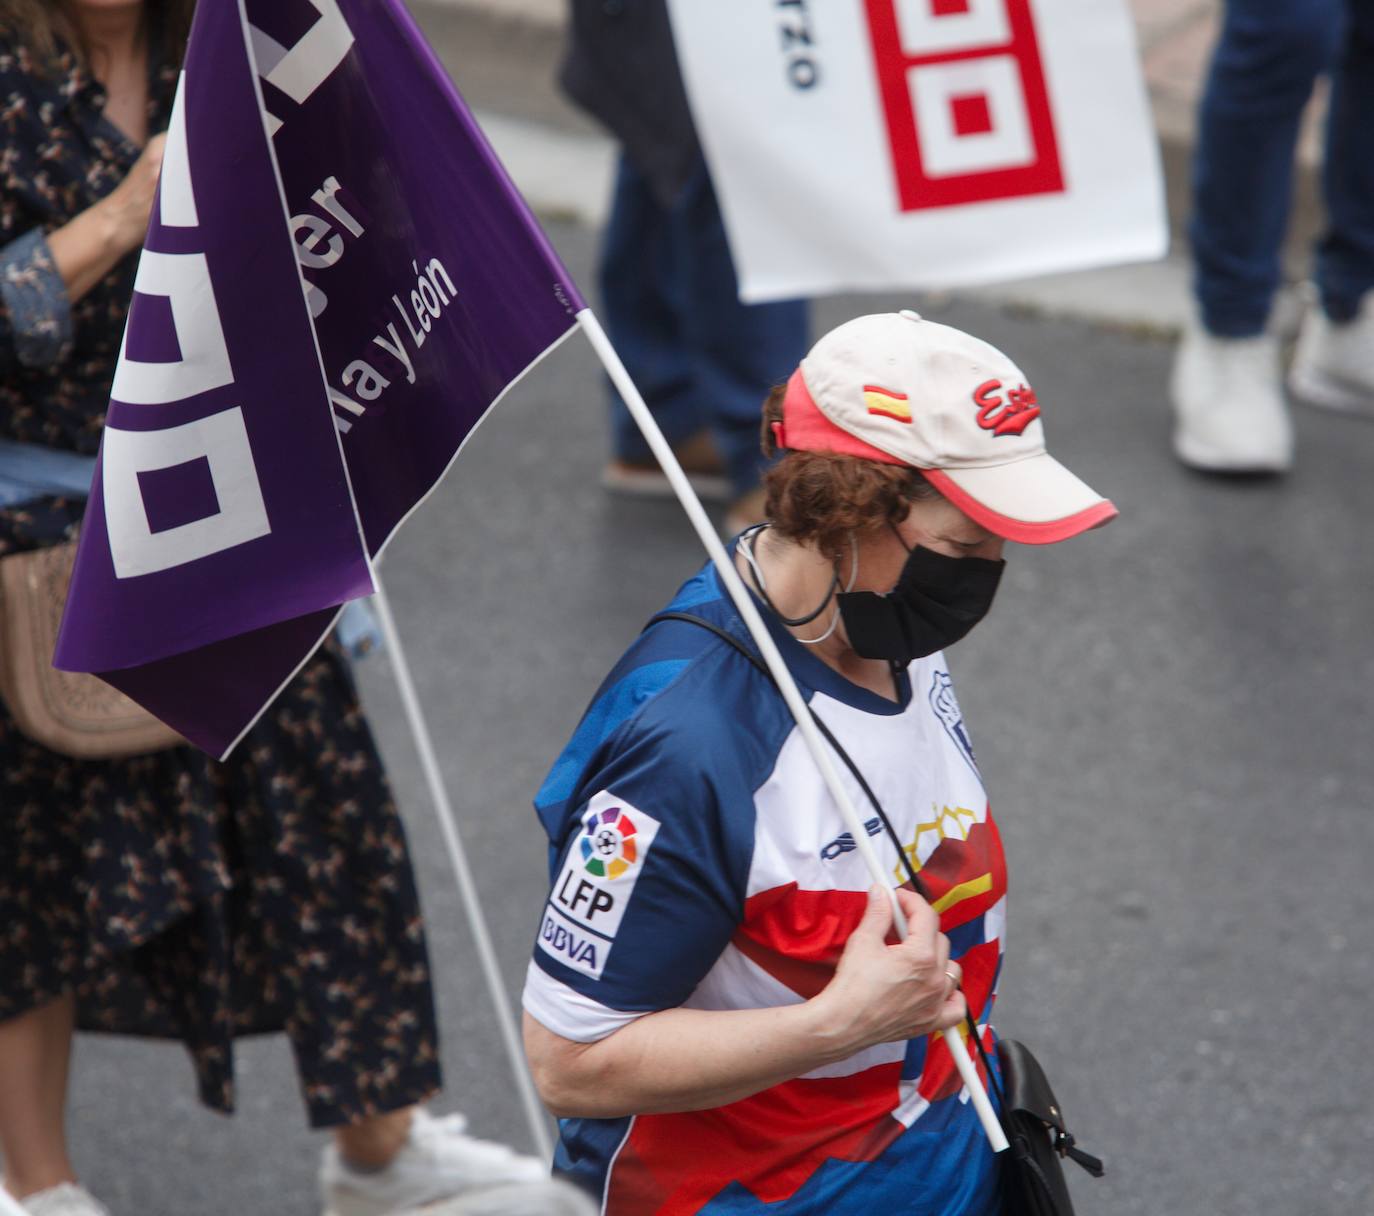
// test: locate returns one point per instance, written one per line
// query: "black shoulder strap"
(730, 639)
(711, 627)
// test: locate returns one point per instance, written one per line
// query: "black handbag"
(1033, 1182)
(1032, 1167)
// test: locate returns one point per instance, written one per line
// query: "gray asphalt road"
(1172, 716)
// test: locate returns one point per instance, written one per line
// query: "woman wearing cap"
(714, 1007)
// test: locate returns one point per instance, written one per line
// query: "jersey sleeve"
(647, 891)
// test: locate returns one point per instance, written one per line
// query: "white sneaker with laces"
(65, 1199)
(1229, 411)
(438, 1161)
(1333, 365)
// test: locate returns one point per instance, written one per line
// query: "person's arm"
(42, 275)
(689, 1059)
(87, 248)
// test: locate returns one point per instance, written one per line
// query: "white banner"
(880, 144)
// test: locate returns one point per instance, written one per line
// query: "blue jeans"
(700, 357)
(1269, 57)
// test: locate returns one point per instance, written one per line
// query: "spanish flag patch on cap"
(886, 403)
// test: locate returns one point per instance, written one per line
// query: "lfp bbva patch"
(591, 892)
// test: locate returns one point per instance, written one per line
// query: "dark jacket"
(622, 69)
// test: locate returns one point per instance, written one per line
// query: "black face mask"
(936, 601)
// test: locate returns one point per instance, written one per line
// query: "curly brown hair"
(821, 497)
(47, 28)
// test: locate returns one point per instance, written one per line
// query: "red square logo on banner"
(964, 96)
(971, 115)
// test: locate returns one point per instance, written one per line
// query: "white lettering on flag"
(299, 70)
(184, 280)
(176, 199)
(221, 442)
(211, 456)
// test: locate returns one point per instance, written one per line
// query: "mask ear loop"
(853, 578)
(746, 547)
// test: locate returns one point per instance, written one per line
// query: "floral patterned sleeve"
(35, 313)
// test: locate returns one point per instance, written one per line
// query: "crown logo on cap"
(1009, 415)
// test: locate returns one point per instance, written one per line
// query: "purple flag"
(339, 281)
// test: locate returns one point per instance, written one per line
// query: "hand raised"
(129, 204)
(885, 993)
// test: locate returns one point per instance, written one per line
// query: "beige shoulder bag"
(75, 715)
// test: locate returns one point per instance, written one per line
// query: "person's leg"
(738, 351)
(410, 1159)
(642, 317)
(1333, 365)
(372, 1143)
(1266, 62)
(1229, 410)
(35, 1056)
(1345, 258)
(329, 940)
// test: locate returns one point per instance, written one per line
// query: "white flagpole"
(786, 685)
(467, 888)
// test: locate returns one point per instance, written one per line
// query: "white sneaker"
(438, 1161)
(1333, 365)
(65, 1199)
(1229, 411)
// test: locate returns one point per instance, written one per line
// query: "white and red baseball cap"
(898, 389)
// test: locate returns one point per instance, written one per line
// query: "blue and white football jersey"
(698, 860)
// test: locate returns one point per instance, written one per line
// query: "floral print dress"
(173, 895)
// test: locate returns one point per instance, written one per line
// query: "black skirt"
(183, 898)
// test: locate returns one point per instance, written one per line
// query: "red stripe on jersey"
(797, 936)
(672, 1165)
(773, 1142)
